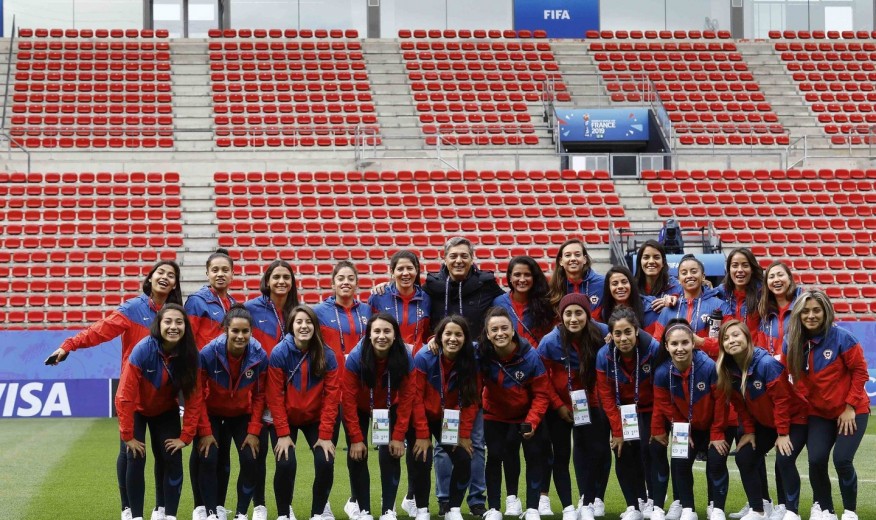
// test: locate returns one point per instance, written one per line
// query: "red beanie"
(575, 299)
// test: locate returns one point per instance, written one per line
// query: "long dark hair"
(184, 363)
(398, 365)
(175, 295)
(486, 352)
(558, 278)
(634, 302)
(465, 364)
(543, 314)
(236, 311)
(317, 345)
(265, 288)
(662, 282)
(672, 325)
(588, 341)
(404, 254)
(768, 303)
(753, 289)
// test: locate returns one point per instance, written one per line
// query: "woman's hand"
(281, 449)
(667, 301)
(380, 288)
(846, 424)
(722, 447)
(662, 439)
(397, 449)
(253, 442)
(784, 445)
(566, 414)
(421, 447)
(617, 443)
(174, 445)
(204, 444)
(466, 445)
(57, 356)
(432, 346)
(747, 438)
(358, 451)
(698, 341)
(327, 447)
(136, 447)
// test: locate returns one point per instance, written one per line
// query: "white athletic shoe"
(544, 506)
(423, 514)
(351, 509)
(741, 513)
(327, 513)
(169, 517)
(158, 514)
(754, 515)
(316, 517)
(513, 507)
(849, 515)
(631, 514)
(709, 509)
(126, 514)
(200, 513)
(674, 511)
(688, 514)
(240, 516)
(531, 514)
(827, 515)
(657, 514)
(284, 517)
(389, 515)
(717, 514)
(815, 511)
(570, 513)
(646, 506)
(585, 512)
(222, 514)
(767, 508)
(409, 506)
(364, 515)
(491, 514)
(790, 515)
(454, 514)
(778, 512)
(598, 507)
(212, 517)
(138, 518)
(260, 513)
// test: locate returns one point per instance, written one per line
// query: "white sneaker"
(674, 511)
(848, 515)
(717, 514)
(688, 514)
(544, 505)
(646, 506)
(423, 513)
(767, 508)
(126, 514)
(364, 515)
(631, 514)
(754, 515)
(513, 507)
(351, 509)
(815, 511)
(454, 514)
(389, 515)
(409, 506)
(316, 517)
(742, 512)
(491, 514)
(260, 513)
(570, 513)
(240, 516)
(790, 515)
(598, 507)
(222, 514)
(827, 515)
(657, 514)
(284, 517)
(531, 514)
(585, 512)
(169, 517)
(709, 509)
(212, 517)
(327, 513)
(158, 514)
(778, 512)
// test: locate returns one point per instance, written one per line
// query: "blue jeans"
(477, 486)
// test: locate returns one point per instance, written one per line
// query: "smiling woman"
(207, 307)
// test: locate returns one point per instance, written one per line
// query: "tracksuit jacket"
(517, 389)
(591, 284)
(673, 288)
(696, 312)
(708, 401)
(147, 387)
(412, 314)
(770, 399)
(342, 328)
(206, 312)
(355, 395)
(428, 369)
(649, 318)
(296, 396)
(834, 374)
(268, 326)
(606, 376)
(470, 298)
(225, 397)
(522, 319)
(735, 308)
(131, 321)
(771, 332)
(559, 365)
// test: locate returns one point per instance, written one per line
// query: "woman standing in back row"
(573, 273)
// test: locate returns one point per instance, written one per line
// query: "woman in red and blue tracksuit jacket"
(342, 317)
(828, 365)
(685, 391)
(516, 396)
(569, 352)
(445, 380)
(741, 289)
(624, 370)
(378, 375)
(620, 289)
(695, 305)
(131, 321)
(652, 274)
(771, 411)
(234, 375)
(207, 307)
(303, 395)
(778, 295)
(406, 300)
(527, 301)
(573, 273)
(161, 366)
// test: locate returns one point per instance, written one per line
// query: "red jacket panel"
(206, 311)
(269, 326)
(610, 368)
(560, 366)
(672, 397)
(516, 390)
(428, 371)
(342, 328)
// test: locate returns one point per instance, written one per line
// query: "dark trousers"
(122, 472)
(822, 437)
(390, 469)
(589, 453)
(635, 473)
(682, 472)
(213, 471)
(284, 478)
(421, 475)
(161, 428)
(503, 441)
(261, 472)
(749, 460)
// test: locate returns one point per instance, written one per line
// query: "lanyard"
(693, 323)
(416, 317)
(441, 385)
(221, 301)
(298, 366)
(355, 329)
(447, 297)
(617, 398)
(690, 388)
(520, 320)
(388, 394)
(808, 353)
(508, 374)
(152, 306)
(164, 362)
(279, 321)
(586, 288)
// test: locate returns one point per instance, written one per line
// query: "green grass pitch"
(65, 468)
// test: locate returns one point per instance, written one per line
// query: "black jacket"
(478, 291)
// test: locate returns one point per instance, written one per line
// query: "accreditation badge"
(580, 407)
(450, 427)
(680, 440)
(630, 422)
(380, 427)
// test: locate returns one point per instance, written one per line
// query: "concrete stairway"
(192, 103)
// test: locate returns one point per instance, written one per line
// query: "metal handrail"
(8, 73)
(443, 139)
(18, 144)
